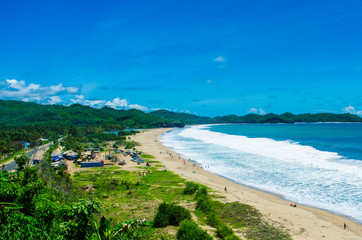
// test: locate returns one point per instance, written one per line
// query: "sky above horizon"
(209, 58)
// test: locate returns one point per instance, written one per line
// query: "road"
(11, 165)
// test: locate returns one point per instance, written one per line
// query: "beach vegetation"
(225, 216)
(212, 219)
(170, 214)
(190, 188)
(202, 192)
(232, 237)
(147, 156)
(190, 230)
(222, 231)
(249, 219)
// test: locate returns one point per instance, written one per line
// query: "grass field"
(136, 195)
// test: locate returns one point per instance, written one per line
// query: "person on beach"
(225, 189)
(344, 225)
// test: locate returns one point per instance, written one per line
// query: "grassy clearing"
(137, 195)
(127, 195)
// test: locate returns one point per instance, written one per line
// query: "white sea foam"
(296, 172)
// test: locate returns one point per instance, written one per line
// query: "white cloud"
(117, 103)
(352, 110)
(261, 111)
(56, 88)
(54, 100)
(257, 111)
(15, 84)
(252, 110)
(72, 89)
(139, 107)
(185, 111)
(219, 59)
(92, 103)
(20, 90)
(32, 99)
(95, 103)
(78, 99)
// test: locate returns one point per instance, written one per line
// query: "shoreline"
(280, 195)
(303, 222)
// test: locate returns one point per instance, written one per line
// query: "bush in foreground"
(169, 214)
(223, 231)
(202, 192)
(190, 230)
(191, 188)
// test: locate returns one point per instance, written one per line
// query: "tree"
(21, 161)
(78, 148)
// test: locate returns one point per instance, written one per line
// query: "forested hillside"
(17, 113)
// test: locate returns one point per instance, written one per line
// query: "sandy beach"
(302, 222)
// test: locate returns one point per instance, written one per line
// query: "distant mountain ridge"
(18, 113)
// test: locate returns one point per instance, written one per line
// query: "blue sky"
(206, 57)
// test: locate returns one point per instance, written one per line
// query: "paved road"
(11, 165)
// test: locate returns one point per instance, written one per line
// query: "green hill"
(17, 113)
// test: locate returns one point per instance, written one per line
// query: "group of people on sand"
(293, 205)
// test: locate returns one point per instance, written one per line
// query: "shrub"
(204, 204)
(212, 219)
(191, 188)
(162, 215)
(232, 237)
(178, 214)
(129, 145)
(223, 231)
(202, 192)
(169, 214)
(190, 230)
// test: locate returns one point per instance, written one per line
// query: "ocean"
(314, 164)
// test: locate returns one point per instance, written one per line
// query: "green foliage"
(170, 214)
(17, 113)
(190, 230)
(204, 204)
(147, 156)
(21, 161)
(8, 187)
(191, 188)
(30, 174)
(32, 209)
(244, 216)
(222, 231)
(268, 231)
(212, 219)
(232, 237)
(104, 228)
(202, 192)
(129, 144)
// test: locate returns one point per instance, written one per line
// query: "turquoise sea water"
(316, 164)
